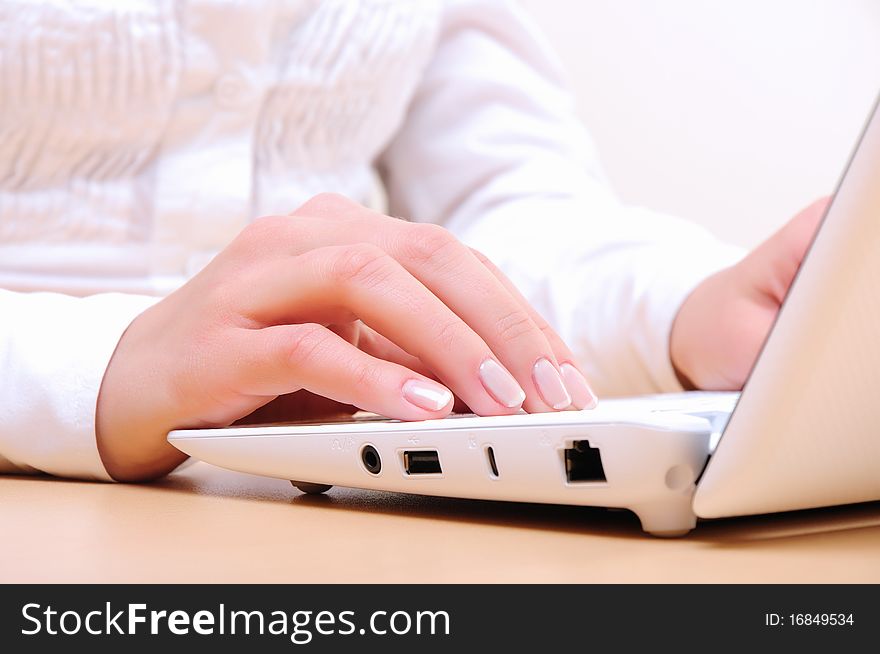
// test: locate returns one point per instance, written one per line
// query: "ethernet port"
(583, 463)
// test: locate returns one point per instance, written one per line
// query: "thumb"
(774, 263)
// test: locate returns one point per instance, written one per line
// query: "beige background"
(731, 113)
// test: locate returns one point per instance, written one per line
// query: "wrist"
(131, 421)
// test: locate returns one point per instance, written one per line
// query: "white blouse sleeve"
(53, 352)
(492, 149)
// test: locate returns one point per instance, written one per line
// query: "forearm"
(54, 350)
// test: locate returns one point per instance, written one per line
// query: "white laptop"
(804, 432)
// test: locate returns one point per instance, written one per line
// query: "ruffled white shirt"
(138, 138)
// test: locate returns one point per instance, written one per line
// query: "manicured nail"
(427, 395)
(500, 384)
(582, 396)
(550, 384)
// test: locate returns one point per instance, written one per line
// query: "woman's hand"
(722, 325)
(346, 303)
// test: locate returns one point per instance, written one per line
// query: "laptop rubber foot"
(309, 488)
(668, 519)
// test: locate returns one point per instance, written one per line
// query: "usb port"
(421, 462)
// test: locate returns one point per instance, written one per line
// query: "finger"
(373, 343)
(451, 271)
(283, 359)
(376, 345)
(582, 396)
(458, 278)
(774, 263)
(363, 281)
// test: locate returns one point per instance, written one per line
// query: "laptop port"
(583, 463)
(421, 462)
(371, 459)
(493, 466)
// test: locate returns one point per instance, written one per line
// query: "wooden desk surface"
(203, 524)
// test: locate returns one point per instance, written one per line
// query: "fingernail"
(500, 384)
(582, 396)
(426, 395)
(550, 384)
